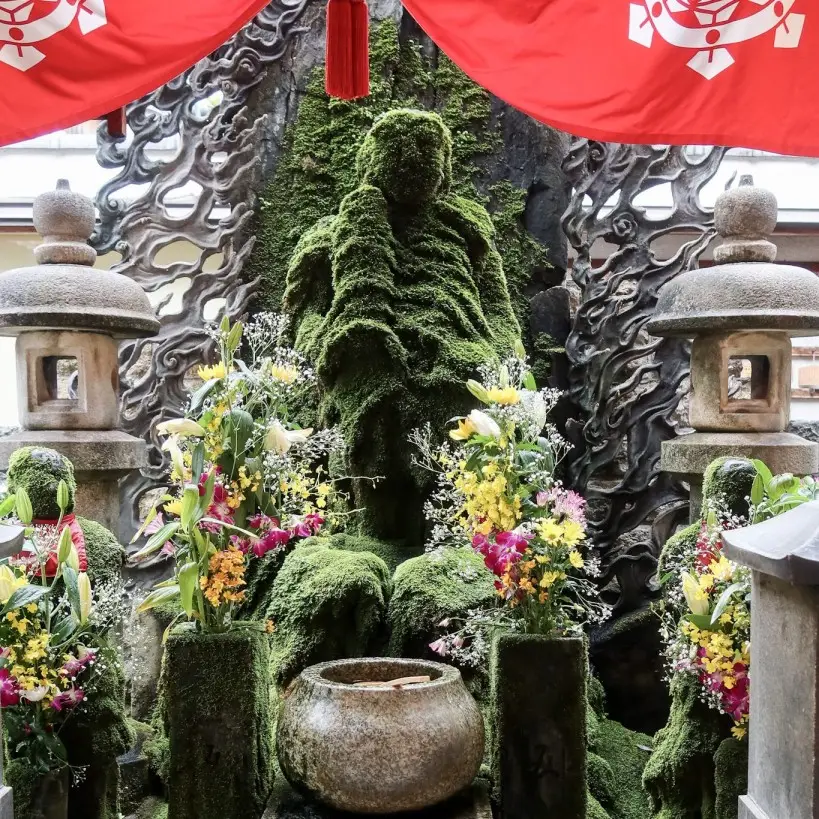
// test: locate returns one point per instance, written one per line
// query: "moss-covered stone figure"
(39, 471)
(98, 731)
(326, 604)
(697, 770)
(220, 724)
(398, 299)
(432, 588)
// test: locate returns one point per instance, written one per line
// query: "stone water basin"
(380, 749)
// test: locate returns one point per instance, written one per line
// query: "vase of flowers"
(498, 494)
(248, 483)
(53, 653)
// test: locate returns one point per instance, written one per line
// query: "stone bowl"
(380, 750)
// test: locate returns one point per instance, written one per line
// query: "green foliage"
(326, 604)
(39, 471)
(432, 588)
(772, 495)
(731, 777)
(679, 776)
(219, 724)
(398, 299)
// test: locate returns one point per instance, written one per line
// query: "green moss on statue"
(729, 480)
(326, 604)
(731, 777)
(219, 724)
(430, 589)
(398, 299)
(98, 732)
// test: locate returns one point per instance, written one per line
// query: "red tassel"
(116, 123)
(348, 42)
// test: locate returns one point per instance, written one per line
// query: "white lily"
(181, 426)
(279, 439)
(484, 425)
(172, 446)
(694, 595)
(35, 694)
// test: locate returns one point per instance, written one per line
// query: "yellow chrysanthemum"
(287, 375)
(209, 373)
(174, 508)
(576, 559)
(506, 396)
(573, 532)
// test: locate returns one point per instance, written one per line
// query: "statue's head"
(729, 480)
(408, 156)
(39, 471)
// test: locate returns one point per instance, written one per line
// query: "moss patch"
(326, 604)
(431, 588)
(219, 717)
(39, 471)
(730, 479)
(106, 555)
(731, 777)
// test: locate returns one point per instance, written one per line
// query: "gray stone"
(551, 314)
(65, 292)
(11, 540)
(809, 430)
(380, 749)
(745, 217)
(781, 451)
(6, 803)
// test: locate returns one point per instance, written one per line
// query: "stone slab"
(781, 451)
(102, 451)
(11, 539)
(287, 803)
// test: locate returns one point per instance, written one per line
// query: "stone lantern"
(741, 314)
(69, 318)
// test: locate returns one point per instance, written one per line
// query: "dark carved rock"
(551, 314)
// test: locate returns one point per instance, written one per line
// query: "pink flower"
(315, 522)
(512, 541)
(440, 647)
(9, 689)
(5, 653)
(301, 530)
(542, 498)
(68, 699)
(75, 665)
(155, 525)
(568, 504)
(271, 541)
(480, 543)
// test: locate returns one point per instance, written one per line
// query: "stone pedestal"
(783, 775)
(539, 695)
(690, 455)
(100, 458)
(6, 797)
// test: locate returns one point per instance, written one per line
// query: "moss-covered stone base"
(219, 716)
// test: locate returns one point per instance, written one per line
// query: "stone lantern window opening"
(54, 377)
(752, 381)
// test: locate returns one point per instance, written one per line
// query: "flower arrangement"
(707, 624)
(53, 626)
(497, 493)
(247, 480)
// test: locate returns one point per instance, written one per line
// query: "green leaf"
(64, 545)
(22, 505)
(64, 629)
(72, 588)
(228, 527)
(188, 579)
(763, 471)
(25, 595)
(529, 382)
(235, 337)
(701, 621)
(224, 325)
(7, 506)
(158, 597)
(198, 397)
(198, 461)
(723, 601)
(190, 506)
(757, 490)
(779, 485)
(158, 540)
(146, 523)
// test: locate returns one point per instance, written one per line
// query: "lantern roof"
(786, 546)
(64, 291)
(746, 289)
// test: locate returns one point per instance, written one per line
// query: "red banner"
(715, 72)
(63, 62)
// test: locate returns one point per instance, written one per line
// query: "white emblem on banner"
(26, 25)
(716, 29)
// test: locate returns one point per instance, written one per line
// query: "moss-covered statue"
(398, 299)
(697, 770)
(99, 733)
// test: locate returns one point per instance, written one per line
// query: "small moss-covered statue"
(697, 770)
(99, 733)
(397, 300)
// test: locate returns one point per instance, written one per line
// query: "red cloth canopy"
(63, 62)
(716, 72)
